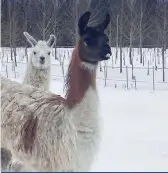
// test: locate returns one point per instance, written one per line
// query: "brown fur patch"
(57, 99)
(78, 80)
(28, 134)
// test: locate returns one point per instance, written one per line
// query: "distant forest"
(135, 23)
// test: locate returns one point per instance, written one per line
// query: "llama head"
(93, 43)
(41, 50)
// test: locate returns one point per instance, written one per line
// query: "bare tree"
(27, 6)
(162, 29)
(140, 31)
(131, 4)
(13, 28)
(145, 25)
(121, 34)
(117, 37)
(57, 5)
(10, 28)
(45, 18)
(134, 26)
(110, 29)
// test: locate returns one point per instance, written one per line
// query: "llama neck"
(33, 71)
(36, 77)
(79, 80)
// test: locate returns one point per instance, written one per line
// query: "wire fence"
(142, 78)
(108, 76)
(149, 76)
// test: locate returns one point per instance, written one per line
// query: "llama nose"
(42, 58)
(107, 49)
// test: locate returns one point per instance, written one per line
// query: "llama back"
(29, 119)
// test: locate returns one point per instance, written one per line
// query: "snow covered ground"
(135, 123)
(135, 131)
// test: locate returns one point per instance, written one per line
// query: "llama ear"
(83, 21)
(104, 24)
(51, 41)
(30, 39)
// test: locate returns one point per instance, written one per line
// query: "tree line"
(135, 23)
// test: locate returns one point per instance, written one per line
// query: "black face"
(95, 45)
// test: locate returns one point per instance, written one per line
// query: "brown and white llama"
(46, 132)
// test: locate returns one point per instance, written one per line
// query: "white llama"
(46, 132)
(37, 75)
(39, 65)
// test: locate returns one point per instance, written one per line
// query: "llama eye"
(34, 53)
(88, 41)
(49, 53)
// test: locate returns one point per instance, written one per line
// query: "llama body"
(39, 65)
(69, 137)
(46, 132)
(73, 130)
